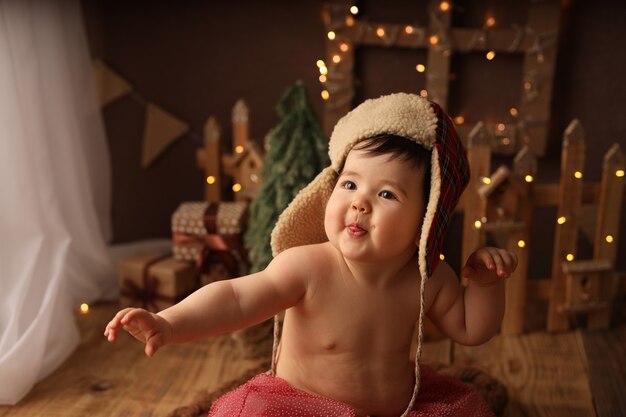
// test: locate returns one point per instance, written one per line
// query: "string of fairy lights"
(561, 219)
(332, 75)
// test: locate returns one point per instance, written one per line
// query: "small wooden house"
(243, 164)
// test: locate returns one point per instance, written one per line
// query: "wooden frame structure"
(503, 202)
(537, 40)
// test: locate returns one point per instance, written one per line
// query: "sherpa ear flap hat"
(401, 114)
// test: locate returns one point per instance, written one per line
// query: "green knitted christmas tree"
(298, 152)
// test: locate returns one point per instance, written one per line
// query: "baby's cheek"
(334, 217)
(329, 218)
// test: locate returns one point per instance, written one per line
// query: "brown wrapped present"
(219, 265)
(211, 234)
(154, 282)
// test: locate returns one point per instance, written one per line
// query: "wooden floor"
(578, 373)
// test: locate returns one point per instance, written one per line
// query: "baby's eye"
(387, 195)
(349, 185)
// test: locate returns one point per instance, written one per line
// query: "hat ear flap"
(428, 239)
(302, 222)
(449, 177)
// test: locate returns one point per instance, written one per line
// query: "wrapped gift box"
(219, 265)
(155, 282)
(211, 235)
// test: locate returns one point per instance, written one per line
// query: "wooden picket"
(607, 224)
(524, 167)
(479, 156)
(568, 214)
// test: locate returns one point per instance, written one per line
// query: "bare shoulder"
(302, 262)
(303, 257)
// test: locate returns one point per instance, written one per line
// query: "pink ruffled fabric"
(270, 396)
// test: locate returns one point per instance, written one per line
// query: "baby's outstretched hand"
(149, 328)
(488, 265)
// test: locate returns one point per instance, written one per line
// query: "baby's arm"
(472, 315)
(219, 307)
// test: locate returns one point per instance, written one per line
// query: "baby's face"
(376, 209)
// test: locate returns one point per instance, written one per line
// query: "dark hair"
(403, 148)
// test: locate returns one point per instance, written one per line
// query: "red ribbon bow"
(225, 248)
(148, 293)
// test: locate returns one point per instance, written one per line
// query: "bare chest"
(353, 318)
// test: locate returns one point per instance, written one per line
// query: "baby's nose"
(361, 205)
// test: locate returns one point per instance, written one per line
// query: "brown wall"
(197, 58)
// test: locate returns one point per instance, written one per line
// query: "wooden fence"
(502, 202)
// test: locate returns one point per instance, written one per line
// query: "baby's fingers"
(506, 262)
(482, 258)
(111, 329)
(492, 259)
(499, 262)
(136, 314)
(510, 261)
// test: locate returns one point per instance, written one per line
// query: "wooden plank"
(515, 286)
(506, 40)
(369, 34)
(479, 158)
(525, 163)
(621, 284)
(102, 379)
(340, 76)
(538, 289)
(566, 236)
(240, 119)
(607, 230)
(538, 74)
(439, 51)
(545, 373)
(610, 205)
(546, 195)
(606, 359)
(209, 160)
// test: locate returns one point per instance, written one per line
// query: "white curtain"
(54, 189)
